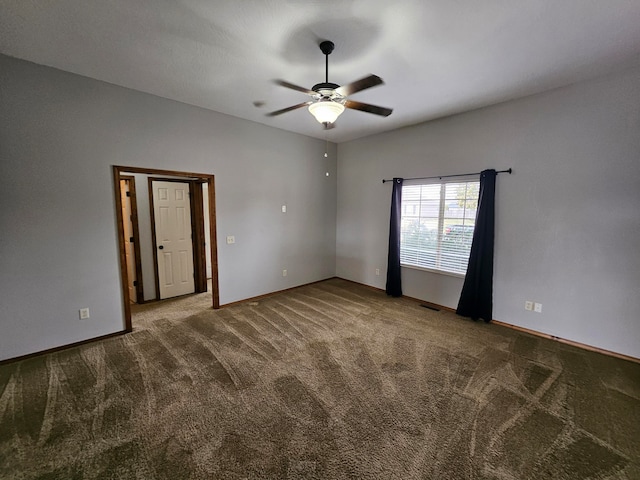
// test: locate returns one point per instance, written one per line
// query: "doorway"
(196, 183)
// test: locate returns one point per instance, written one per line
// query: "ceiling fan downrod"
(326, 47)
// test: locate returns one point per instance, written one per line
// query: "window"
(437, 225)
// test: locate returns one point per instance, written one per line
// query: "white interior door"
(129, 246)
(172, 212)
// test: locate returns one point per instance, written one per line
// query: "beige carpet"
(329, 381)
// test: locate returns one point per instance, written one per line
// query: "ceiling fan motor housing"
(327, 92)
(324, 86)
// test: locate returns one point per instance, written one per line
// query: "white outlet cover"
(284, 209)
(231, 239)
(537, 307)
(528, 305)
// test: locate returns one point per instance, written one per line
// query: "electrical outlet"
(231, 239)
(377, 272)
(537, 307)
(284, 273)
(284, 209)
(528, 305)
(84, 313)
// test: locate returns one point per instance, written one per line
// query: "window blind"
(437, 225)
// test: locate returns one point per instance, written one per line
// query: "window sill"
(433, 270)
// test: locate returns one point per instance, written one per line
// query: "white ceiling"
(437, 57)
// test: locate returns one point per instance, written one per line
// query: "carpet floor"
(328, 381)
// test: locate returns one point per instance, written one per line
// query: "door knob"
(160, 247)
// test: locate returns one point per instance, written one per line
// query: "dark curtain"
(394, 284)
(476, 299)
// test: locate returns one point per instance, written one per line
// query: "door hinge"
(135, 283)
(131, 239)
(128, 194)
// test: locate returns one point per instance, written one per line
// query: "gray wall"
(568, 219)
(59, 136)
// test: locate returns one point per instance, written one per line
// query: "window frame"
(441, 221)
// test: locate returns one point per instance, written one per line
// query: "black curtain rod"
(509, 171)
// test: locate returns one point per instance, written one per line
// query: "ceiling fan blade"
(358, 85)
(365, 107)
(288, 109)
(282, 83)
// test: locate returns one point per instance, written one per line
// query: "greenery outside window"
(437, 225)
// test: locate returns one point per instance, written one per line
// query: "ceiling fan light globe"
(326, 111)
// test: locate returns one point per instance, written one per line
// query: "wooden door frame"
(197, 232)
(118, 171)
(136, 236)
(197, 225)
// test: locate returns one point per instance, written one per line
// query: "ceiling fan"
(329, 99)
